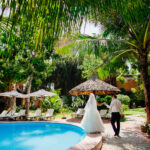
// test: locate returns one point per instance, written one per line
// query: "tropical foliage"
(54, 102)
(34, 26)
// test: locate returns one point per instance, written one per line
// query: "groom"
(115, 108)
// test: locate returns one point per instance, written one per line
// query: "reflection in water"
(39, 136)
(32, 133)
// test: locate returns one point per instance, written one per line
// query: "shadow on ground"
(127, 141)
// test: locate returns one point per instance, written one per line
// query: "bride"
(92, 121)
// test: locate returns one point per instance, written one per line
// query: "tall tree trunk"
(28, 91)
(146, 83)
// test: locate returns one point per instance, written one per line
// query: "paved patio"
(131, 136)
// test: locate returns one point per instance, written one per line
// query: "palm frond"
(132, 44)
(124, 51)
(134, 32)
(5, 24)
(146, 34)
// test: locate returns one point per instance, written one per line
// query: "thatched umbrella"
(96, 86)
(14, 95)
(41, 93)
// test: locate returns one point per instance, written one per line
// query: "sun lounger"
(9, 114)
(4, 113)
(103, 112)
(20, 114)
(35, 115)
(108, 116)
(49, 114)
(79, 113)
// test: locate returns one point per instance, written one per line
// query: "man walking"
(115, 108)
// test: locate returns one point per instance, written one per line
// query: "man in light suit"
(115, 109)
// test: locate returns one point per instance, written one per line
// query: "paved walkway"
(131, 136)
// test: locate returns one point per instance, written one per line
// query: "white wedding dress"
(92, 121)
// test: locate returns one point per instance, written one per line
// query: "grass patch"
(135, 111)
(60, 115)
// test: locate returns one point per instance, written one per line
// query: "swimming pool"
(39, 136)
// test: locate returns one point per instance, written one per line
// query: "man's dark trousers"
(115, 117)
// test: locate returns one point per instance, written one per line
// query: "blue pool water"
(39, 136)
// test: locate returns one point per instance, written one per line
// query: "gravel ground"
(130, 138)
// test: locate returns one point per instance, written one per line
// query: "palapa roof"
(41, 93)
(94, 85)
(14, 94)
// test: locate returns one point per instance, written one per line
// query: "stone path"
(131, 136)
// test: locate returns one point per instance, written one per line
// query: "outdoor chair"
(36, 114)
(103, 113)
(49, 114)
(4, 113)
(9, 114)
(108, 116)
(79, 113)
(19, 115)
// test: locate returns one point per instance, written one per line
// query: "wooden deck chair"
(9, 114)
(19, 115)
(49, 114)
(35, 115)
(4, 113)
(79, 113)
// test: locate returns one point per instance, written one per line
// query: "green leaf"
(146, 34)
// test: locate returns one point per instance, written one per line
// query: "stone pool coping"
(90, 142)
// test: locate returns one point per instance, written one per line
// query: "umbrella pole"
(14, 103)
(27, 107)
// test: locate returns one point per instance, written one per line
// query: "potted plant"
(144, 128)
(148, 130)
(134, 106)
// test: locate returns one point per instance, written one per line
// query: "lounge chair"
(4, 113)
(20, 114)
(49, 114)
(103, 112)
(79, 113)
(108, 116)
(9, 114)
(35, 115)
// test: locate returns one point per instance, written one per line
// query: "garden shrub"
(67, 100)
(124, 99)
(125, 107)
(121, 79)
(18, 108)
(101, 99)
(78, 102)
(54, 102)
(45, 105)
(138, 96)
(65, 109)
(108, 99)
(33, 107)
